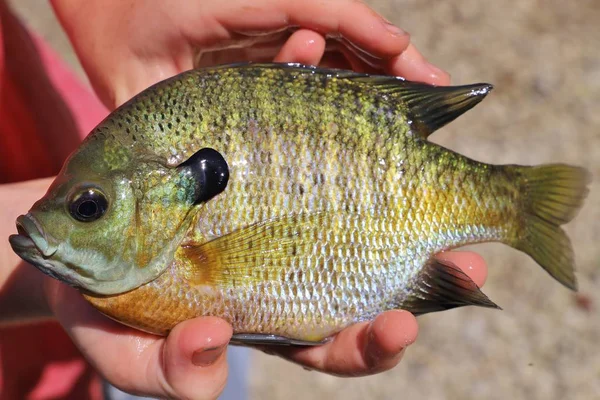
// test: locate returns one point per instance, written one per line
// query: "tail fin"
(553, 195)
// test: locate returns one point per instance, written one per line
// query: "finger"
(303, 46)
(311, 48)
(353, 20)
(194, 360)
(143, 364)
(361, 349)
(470, 263)
(350, 57)
(388, 336)
(357, 56)
(413, 66)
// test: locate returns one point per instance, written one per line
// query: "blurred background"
(542, 57)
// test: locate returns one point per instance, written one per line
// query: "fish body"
(291, 201)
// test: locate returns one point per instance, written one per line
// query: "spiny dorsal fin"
(441, 285)
(430, 107)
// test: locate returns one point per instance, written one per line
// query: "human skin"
(125, 48)
(126, 45)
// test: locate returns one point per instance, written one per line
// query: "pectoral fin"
(260, 252)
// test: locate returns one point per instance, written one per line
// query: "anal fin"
(442, 286)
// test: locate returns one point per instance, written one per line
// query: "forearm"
(22, 295)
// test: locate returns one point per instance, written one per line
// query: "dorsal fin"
(431, 107)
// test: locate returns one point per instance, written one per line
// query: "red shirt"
(44, 113)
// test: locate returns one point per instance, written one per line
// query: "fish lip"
(25, 247)
(22, 243)
(29, 228)
(32, 246)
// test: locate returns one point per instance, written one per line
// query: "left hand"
(126, 46)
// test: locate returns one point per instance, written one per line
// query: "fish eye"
(88, 205)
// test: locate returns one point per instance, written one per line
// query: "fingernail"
(206, 357)
(393, 29)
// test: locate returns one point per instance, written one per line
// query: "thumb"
(189, 363)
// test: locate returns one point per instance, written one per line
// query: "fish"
(291, 201)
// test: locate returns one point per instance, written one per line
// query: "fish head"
(107, 227)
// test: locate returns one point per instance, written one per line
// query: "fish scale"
(332, 208)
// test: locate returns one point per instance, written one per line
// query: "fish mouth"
(31, 237)
(33, 246)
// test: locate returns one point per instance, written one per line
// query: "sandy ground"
(542, 57)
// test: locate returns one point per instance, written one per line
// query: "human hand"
(146, 364)
(126, 46)
(191, 362)
(371, 347)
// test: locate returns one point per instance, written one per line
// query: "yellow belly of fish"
(159, 306)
